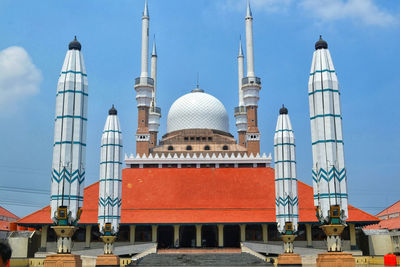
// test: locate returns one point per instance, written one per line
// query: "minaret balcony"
(144, 81)
(154, 119)
(156, 110)
(251, 81)
(240, 110)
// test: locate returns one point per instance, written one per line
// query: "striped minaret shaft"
(286, 200)
(329, 173)
(240, 111)
(110, 174)
(68, 169)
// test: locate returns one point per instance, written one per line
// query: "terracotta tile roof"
(205, 195)
(6, 213)
(392, 209)
(390, 224)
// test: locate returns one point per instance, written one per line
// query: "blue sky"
(201, 36)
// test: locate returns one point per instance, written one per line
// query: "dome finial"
(321, 44)
(197, 89)
(283, 110)
(112, 111)
(75, 45)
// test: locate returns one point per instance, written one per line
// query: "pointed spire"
(283, 110)
(112, 111)
(146, 9)
(248, 12)
(321, 43)
(240, 47)
(154, 53)
(74, 45)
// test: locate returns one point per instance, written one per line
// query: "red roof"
(395, 208)
(390, 224)
(5, 224)
(197, 195)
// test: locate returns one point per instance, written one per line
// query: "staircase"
(200, 259)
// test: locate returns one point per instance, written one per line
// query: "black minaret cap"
(112, 111)
(321, 43)
(283, 110)
(75, 45)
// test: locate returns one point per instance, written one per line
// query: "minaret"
(144, 86)
(251, 85)
(329, 172)
(155, 112)
(69, 150)
(109, 215)
(240, 111)
(287, 203)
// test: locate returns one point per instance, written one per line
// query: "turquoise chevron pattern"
(333, 173)
(67, 176)
(108, 201)
(285, 201)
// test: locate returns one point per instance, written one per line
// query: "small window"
(186, 138)
(192, 138)
(207, 148)
(170, 148)
(209, 138)
(225, 148)
(204, 138)
(197, 138)
(189, 148)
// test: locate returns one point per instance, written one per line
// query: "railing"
(144, 80)
(251, 80)
(241, 109)
(155, 110)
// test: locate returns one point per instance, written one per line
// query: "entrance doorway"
(232, 236)
(165, 236)
(209, 236)
(187, 236)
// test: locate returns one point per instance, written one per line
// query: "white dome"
(197, 110)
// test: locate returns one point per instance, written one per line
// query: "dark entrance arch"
(187, 236)
(253, 232)
(165, 236)
(209, 236)
(232, 236)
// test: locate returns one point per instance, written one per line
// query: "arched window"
(225, 148)
(170, 148)
(207, 148)
(189, 148)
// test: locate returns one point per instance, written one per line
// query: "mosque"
(197, 186)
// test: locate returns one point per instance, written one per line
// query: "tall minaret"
(155, 112)
(109, 215)
(251, 85)
(69, 150)
(240, 111)
(287, 203)
(144, 86)
(329, 173)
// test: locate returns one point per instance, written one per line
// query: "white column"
(242, 232)
(176, 235)
(220, 235)
(43, 237)
(198, 235)
(132, 233)
(154, 233)
(265, 233)
(309, 235)
(88, 236)
(353, 242)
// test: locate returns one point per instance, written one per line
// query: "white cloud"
(364, 11)
(19, 77)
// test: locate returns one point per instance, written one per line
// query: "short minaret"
(251, 85)
(240, 111)
(69, 150)
(109, 215)
(329, 172)
(155, 112)
(287, 203)
(144, 86)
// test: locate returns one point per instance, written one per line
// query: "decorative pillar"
(154, 233)
(220, 235)
(43, 238)
(242, 232)
(176, 235)
(88, 235)
(132, 233)
(309, 235)
(198, 235)
(353, 242)
(265, 233)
